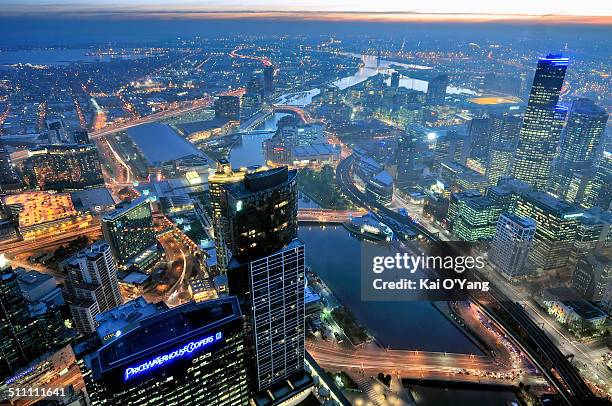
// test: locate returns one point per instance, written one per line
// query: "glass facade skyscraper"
(193, 354)
(542, 124)
(585, 128)
(436, 90)
(129, 231)
(260, 213)
(267, 272)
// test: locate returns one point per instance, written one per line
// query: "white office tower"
(511, 244)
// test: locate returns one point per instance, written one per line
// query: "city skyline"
(333, 204)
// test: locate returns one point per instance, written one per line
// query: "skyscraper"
(593, 276)
(91, 285)
(475, 218)
(268, 270)
(395, 79)
(60, 167)
(542, 123)
(479, 134)
(192, 355)
(260, 213)
(601, 192)
(557, 224)
(129, 231)
(9, 180)
(407, 157)
(511, 244)
(436, 90)
(586, 125)
(223, 175)
(268, 82)
(17, 341)
(503, 132)
(26, 333)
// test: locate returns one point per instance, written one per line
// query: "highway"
(562, 374)
(15, 248)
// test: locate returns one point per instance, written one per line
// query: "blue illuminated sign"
(19, 376)
(160, 360)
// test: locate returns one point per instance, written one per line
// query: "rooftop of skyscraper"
(260, 181)
(559, 207)
(124, 207)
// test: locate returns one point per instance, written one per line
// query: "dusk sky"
(476, 10)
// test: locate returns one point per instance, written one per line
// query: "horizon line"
(305, 15)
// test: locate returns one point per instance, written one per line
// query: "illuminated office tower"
(511, 244)
(557, 224)
(586, 125)
(91, 285)
(144, 354)
(61, 167)
(475, 218)
(436, 90)
(223, 175)
(227, 107)
(129, 231)
(499, 162)
(504, 132)
(9, 180)
(601, 192)
(267, 272)
(268, 79)
(542, 124)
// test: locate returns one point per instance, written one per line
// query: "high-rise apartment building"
(192, 355)
(91, 285)
(223, 175)
(436, 90)
(268, 79)
(260, 212)
(129, 231)
(407, 158)
(267, 272)
(542, 124)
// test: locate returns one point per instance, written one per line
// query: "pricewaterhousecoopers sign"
(160, 360)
